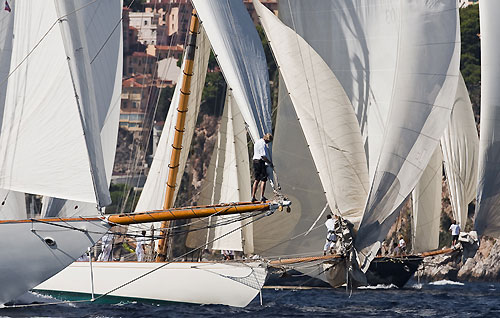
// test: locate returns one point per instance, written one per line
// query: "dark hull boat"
(331, 271)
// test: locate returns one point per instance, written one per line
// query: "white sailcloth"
(426, 199)
(46, 135)
(105, 46)
(423, 92)
(487, 219)
(241, 57)
(232, 155)
(153, 194)
(6, 38)
(358, 39)
(326, 116)
(460, 146)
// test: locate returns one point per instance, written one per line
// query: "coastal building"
(146, 24)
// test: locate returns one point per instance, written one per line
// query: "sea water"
(437, 299)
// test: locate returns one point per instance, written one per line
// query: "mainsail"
(460, 146)
(423, 91)
(487, 220)
(241, 57)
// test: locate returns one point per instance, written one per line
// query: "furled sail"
(326, 116)
(105, 46)
(232, 157)
(487, 220)
(460, 146)
(426, 199)
(358, 39)
(153, 194)
(48, 134)
(241, 57)
(424, 88)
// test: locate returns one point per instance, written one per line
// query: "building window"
(134, 104)
(145, 22)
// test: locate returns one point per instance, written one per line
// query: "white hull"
(228, 283)
(27, 259)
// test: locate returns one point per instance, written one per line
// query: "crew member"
(455, 232)
(260, 159)
(139, 248)
(331, 238)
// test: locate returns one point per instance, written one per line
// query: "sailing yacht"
(395, 64)
(233, 283)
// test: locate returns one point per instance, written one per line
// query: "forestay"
(326, 116)
(48, 134)
(460, 146)
(487, 221)
(426, 199)
(241, 57)
(423, 92)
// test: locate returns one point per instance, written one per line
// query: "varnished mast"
(179, 130)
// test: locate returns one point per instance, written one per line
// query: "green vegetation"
(470, 61)
(134, 5)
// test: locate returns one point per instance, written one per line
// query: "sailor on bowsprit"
(331, 237)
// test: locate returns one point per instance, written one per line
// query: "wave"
(446, 282)
(379, 286)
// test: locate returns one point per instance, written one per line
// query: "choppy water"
(438, 299)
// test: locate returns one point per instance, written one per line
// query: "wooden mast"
(179, 130)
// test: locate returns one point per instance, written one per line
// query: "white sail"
(6, 38)
(326, 115)
(358, 39)
(423, 92)
(46, 136)
(487, 219)
(300, 181)
(241, 57)
(233, 158)
(460, 146)
(153, 194)
(426, 199)
(105, 46)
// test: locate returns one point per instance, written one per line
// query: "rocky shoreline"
(484, 266)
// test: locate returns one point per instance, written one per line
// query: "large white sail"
(358, 39)
(326, 116)
(300, 232)
(460, 146)
(426, 199)
(487, 220)
(232, 157)
(105, 46)
(153, 194)
(46, 134)
(423, 93)
(241, 57)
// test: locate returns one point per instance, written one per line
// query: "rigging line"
(43, 38)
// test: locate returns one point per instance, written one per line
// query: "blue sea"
(439, 299)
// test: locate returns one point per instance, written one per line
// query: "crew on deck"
(260, 159)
